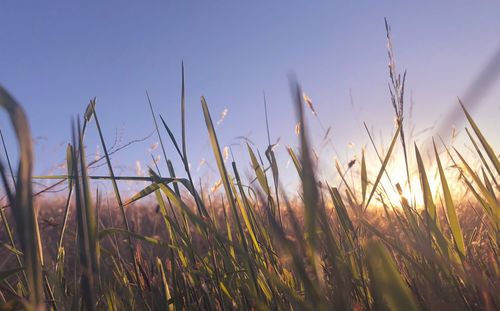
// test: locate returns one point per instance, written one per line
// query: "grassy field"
(345, 247)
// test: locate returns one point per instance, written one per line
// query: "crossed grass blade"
(115, 188)
(384, 165)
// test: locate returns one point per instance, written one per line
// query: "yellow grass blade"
(451, 214)
(489, 150)
(426, 190)
(261, 177)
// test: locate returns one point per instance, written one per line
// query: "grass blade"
(22, 207)
(489, 150)
(451, 214)
(384, 164)
(390, 289)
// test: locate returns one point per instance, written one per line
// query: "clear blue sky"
(56, 55)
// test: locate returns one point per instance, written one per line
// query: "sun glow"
(395, 185)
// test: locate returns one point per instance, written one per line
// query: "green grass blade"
(244, 214)
(426, 190)
(451, 214)
(295, 160)
(156, 127)
(481, 156)
(166, 291)
(364, 176)
(183, 115)
(69, 165)
(494, 211)
(86, 226)
(115, 186)
(24, 214)
(487, 147)
(143, 193)
(384, 164)
(389, 287)
(261, 177)
(309, 189)
(8, 158)
(225, 181)
(217, 153)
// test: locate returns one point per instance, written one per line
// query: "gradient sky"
(57, 55)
